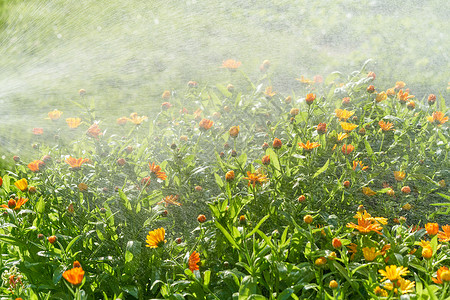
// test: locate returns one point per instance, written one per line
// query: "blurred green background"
(126, 53)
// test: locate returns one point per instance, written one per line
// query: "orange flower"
(368, 191)
(166, 95)
(381, 97)
(321, 128)
(404, 96)
(254, 178)
(156, 170)
(229, 176)
(310, 98)
(352, 248)
(309, 146)
(205, 124)
(194, 259)
(34, 165)
(386, 126)
(269, 93)
(155, 238)
(166, 105)
(399, 85)
(265, 160)
(122, 121)
(75, 163)
(54, 115)
(366, 226)
(444, 236)
(234, 131)
(171, 199)
(73, 122)
(343, 114)
(231, 64)
(38, 131)
(134, 118)
(74, 276)
(437, 118)
(432, 228)
(94, 131)
(442, 274)
(15, 205)
(277, 143)
(399, 175)
(361, 165)
(347, 149)
(21, 184)
(348, 127)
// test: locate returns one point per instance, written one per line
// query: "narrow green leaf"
(72, 242)
(206, 277)
(227, 235)
(257, 226)
(323, 169)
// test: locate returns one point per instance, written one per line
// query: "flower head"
(234, 131)
(392, 272)
(194, 259)
(171, 199)
(348, 127)
(359, 163)
(38, 131)
(277, 143)
(442, 275)
(310, 98)
(444, 236)
(34, 165)
(366, 226)
(309, 146)
(166, 95)
(399, 85)
(122, 120)
(321, 128)
(54, 115)
(381, 97)
(386, 126)
(156, 171)
(155, 238)
(404, 285)
(343, 114)
(438, 118)
(15, 205)
(205, 124)
(231, 64)
(254, 178)
(74, 276)
(370, 253)
(347, 149)
(399, 175)
(21, 184)
(73, 122)
(229, 176)
(304, 80)
(135, 119)
(404, 97)
(75, 163)
(368, 191)
(94, 131)
(269, 93)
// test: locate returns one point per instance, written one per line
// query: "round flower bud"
(233, 153)
(445, 276)
(288, 99)
(103, 210)
(129, 149)
(121, 161)
(40, 236)
(198, 188)
(178, 241)
(52, 239)
(201, 218)
(310, 98)
(164, 213)
(346, 101)
(321, 261)
(308, 219)
(32, 190)
(230, 88)
(431, 99)
(336, 243)
(265, 160)
(346, 184)
(301, 199)
(370, 89)
(242, 220)
(390, 192)
(333, 284)
(16, 158)
(427, 252)
(12, 203)
(265, 146)
(406, 190)
(234, 131)
(82, 92)
(294, 111)
(277, 143)
(229, 176)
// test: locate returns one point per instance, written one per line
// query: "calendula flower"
(353, 249)
(269, 93)
(74, 276)
(399, 85)
(54, 115)
(21, 184)
(442, 275)
(404, 97)
(229, 176)
(166, 95)
(386, 126)
(231, 64)
(234, 131)
(399, 175)
(171, 199)
(368, 191)
(254, 178)
(194, 259)
(75, 163)
(38, 131)
(73, 122)
(321, 128)
(370, 253)
(341, 136)
(444, 236)
(437, 118)
(390, 92)
(380, 292)
(310, 98)
(432, 228)
(381, 97)
(348, 127)
(265, 160)
(135, 119)
(155, 238)
(309, 146)
(35, 164)
(277, 143)
(15, 205)
(363, 214)
(94, 131)
(156, 171)
(392, 272)
(343, 114)
(122, 120)
(347, 149)
(404, 285)
(366, 226)
(359, 163)
(205, 124)
(304, 80)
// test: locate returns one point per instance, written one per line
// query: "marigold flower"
(336, 243)
(155, 238)
(194, 259)
(442, 275)
(15, 205)
(381, 97)
(437, 118)
(277, 143)
(390, 92)
(205, 124)
(427, 252)
(156, 171)
(38, 131)
(404, 285)
(269, 93)
(234, 131)
(348, 127)
(294, 111)
(347, 149)
(74, 276)
(431, 99)
(345, 100)
(231, 64)
(135, 119)
(406, 190)
(341, 136)
(321, 261)
(254, 178)
(343, 114)
(399, 175)
(404, 97)
(333, 284)
(321, 128)
(366, 226)
(75, 163)
(386, 126)
(122, 120)
(310, 98)
(309, 146)
(370, 253)
(94, 131)
(54, 115)
(399, 85)
(265, 160)
(372, 75)
(73, 122)
(166, 95)
(301, 198)
(21, 184)
(411, 105)
(359, 163)
(52, 239)
(392, 272)
(363, 214)
(370, 89)
(407, 206)
(171, 199)
(288, 99)
(380, 292)
(444, 236)
(35, 164)
(76, 264)
(368, 191)
(229, 176)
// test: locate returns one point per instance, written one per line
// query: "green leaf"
(58, 274)
(125, 200)
(323, 169)
(11, 240)
(247, 288)
(6, 183)
(219, 180)
(257, 226)
(72, 242)
(286, 294)
(224, 91)
(40, 205)
(206, 277)
(227, 235)
(368, 148)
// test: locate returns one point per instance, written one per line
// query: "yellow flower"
(269, 93)
(442, 275)
(205, 124)
(404, 285)
(134, 118)
(370, 253)
(399, 175)
(437, 118)
(359, 163)
(75, 163)
(432, 228)
(309, 146)
(54, 115)
(304, 80)
(392, 272)
(341, 136)
(343, 114)
(380, 292)
(366, 226)
(348, 127)
(368, 191)
(155, 238)
(122, 120)
(381, 97)
(21, 184)
(73, 122)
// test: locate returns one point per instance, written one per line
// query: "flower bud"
(333, 284)
(52, 239)
(346, 184)
(301, 199)
(121, 161)
(336, 243)
(277, 143)
(229, 176)
(201, 218)
(308, 219)
(406, 190)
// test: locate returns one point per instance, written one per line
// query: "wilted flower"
(54, 115)
(438, 118)
(171, 199)
(205, 124)
(231, 64)
(155, 238)
(194, 259)
(82, 187)
(407, 206)
(73, 122)
(234, 131)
